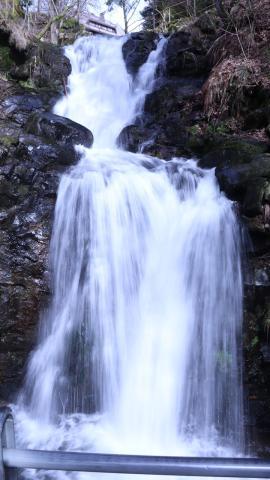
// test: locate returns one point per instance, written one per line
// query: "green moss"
(194, 130)
(220, 128)
(70, 23)
(254, 342)
(8, 140)
(23, 189)
(5, 60)
(27, 84)
(195, 138)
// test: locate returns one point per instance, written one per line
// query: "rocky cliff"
(185, 115)
(36, 146)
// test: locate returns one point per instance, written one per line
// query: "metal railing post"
(7, 440)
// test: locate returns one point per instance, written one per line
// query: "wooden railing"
(12, 459)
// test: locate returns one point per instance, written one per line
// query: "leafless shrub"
(229, 83)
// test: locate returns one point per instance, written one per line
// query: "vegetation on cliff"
(211, 100)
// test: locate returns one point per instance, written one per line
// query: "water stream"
(140, 349)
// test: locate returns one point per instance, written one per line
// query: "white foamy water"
(103, 97)
(139, 350)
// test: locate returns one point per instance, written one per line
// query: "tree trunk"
(55, 32)
(125, 17)
(221, 10)
(54, 10)
(48, 26)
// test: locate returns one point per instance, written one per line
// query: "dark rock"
(225, 151)
(132, 137)
(137, 48)
(206, 23)
(48, 66)
(257, 119)
(161, 130)
(262, 276)
(58, 129)
(265, 350)
(165, 142)
(24, 233)
(182, 57)
(161, 102)
(19, 107)
(19, 72)
(254, 196)
(44, 155)
(171, 97)
(235, 177)
(28, 185)
(249, 183)
(30, 167)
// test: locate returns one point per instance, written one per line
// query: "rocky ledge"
(36, 146)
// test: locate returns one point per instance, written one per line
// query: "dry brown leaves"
(229, 82)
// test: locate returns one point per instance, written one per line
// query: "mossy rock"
(49, 67)
(27, 84)
(248, 183)
(5, 59)
(8, 141)
(228, 151)
(70, 24)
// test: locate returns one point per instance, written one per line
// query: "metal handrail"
(7, 441)
(11, 459)
(136, 464)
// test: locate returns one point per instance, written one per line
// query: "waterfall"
(103, 97)
(140, 350)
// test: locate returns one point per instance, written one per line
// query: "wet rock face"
(43, 65)
(36, 147)
(59, 129)
(162, 129)
(184, 56)
(29, 178)
(137, 48)
(175, 103)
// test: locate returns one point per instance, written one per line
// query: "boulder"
(55, 128)
(137, 49)
(217, 150)
(45, 155)
(132, 137)
(257, 119)
(20, 106)
(234, 177)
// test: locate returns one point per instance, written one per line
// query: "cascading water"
(139, 352)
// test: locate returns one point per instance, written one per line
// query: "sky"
(116, 15)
